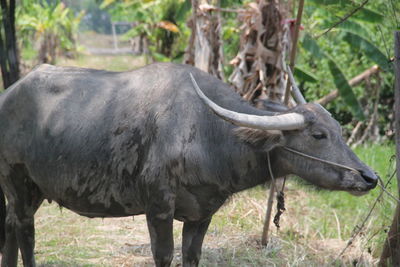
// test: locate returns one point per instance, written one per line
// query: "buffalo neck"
(239, 165)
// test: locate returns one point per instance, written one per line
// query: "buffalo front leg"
(162, 242)
(192, 240)
(160, 215)
(160, 209)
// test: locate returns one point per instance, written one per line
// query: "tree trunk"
(189, 53)
(48, 48)
(391, 251)
(9, 63)
(206, 38)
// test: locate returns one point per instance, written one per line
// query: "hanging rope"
(280, 206)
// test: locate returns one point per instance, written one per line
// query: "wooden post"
(264, 238)
(391, 251)
(115, 39)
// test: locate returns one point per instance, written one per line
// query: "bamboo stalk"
(294, 48)
(354, 81)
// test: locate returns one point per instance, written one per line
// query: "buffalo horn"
(289, 121)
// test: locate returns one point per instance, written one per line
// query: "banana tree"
(158, 24)
(53, 26)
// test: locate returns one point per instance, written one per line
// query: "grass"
(97, 40)
(108, 62)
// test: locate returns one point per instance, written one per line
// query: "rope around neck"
(318, 159)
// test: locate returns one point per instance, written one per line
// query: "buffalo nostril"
(369, 177)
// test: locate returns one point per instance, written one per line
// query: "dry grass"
(233, 239)
(96, 40)
(107, 62)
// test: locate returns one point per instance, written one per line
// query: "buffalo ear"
(261, 139)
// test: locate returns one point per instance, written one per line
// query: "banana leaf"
(352, 26)
(368, 15)
(345, 90)
(304, 75)
(309, 44)
(325, 3)
(368, 49)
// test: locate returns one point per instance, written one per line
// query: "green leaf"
(368, 15)
(368, 49)
(106, 3)
(183, 9)
(312, 47)
(352, 26)
(160, 57)
(304, 75)
(345, 90)
(324, 3)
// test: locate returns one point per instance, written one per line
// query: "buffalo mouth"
(358, 193)
(363, 183)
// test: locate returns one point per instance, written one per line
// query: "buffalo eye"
(319, 136)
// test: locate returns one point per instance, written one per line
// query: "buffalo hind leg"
(25, 233)
(3, 215)
(192, 240)
(20, 232)
(10, 249)
(24, 198)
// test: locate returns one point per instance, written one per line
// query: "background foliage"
(49, 28)
(325, 61)
(365, 39)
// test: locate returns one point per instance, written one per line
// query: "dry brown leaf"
(167, 25)
(207, 7)
(257, 65)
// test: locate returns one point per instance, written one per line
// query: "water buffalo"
(111, 144)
